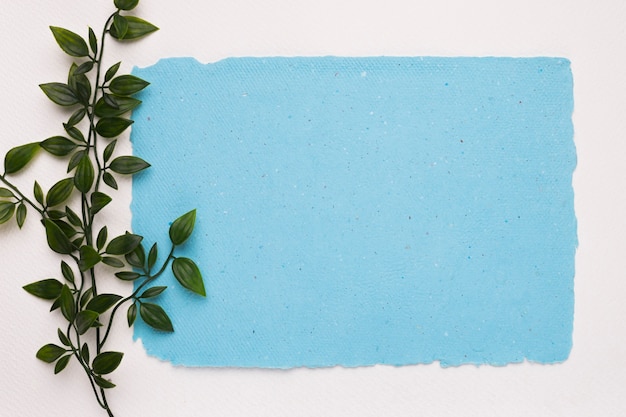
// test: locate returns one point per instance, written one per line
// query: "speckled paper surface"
(357, 211)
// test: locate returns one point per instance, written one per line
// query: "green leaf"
(68, 305)
(131, 314)
(18, 157)
(84, 320)
(108, 151)
(89, 257)
(63, 338)
(74, 133)
(128, 165)
(110, 127)
(57, 240)
(106, 362)
(20, 214)
(62, 364)
(110, 100)
(127, 275)
(111, 71)
(7, 208)
(70, 42)
(93, 41)
(60, 93)
(38, 193)
(84, 352)
(137, 257)
(48, 289)
(84, 68)
(103, 383)
(99, 201)
(84, 175)
(137, 28)
(113, 262)
(102, 237)
(109, 180)
(123, 105)
(181, 228)
(152, 256)
(6, 193)
(73, 218)
(84, 299)
(126, 4)
(56, 214)
(123, 244)
(187, 273)
(50, 353)
(60, 192)
(154, 316)
(58, 146)
(120, 25)
(75, 159)
(152, 292)
(77, 117)
(68, 230)
(102, 302)
(67, 272)
(127, 85)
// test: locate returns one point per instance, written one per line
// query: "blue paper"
(359, 211)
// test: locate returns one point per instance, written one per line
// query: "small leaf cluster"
(98, 101)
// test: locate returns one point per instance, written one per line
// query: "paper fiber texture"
(359, 211)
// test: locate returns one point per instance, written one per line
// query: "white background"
(592, 34)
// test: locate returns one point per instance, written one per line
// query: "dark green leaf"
(70, 42)
(152, 256)
(84, 68)
(106, 362)
(20, 214)
(83, 88)
(110, 127)
(60, 192)
(77, 117)
(48, 289)
(74, 133)
(102, 237)
(68, 305)
(103, 383)
(181, 228)
(75, 159)
(109, 180)
(84, 175)
(110, 100)
(84, 299)
(93, 41)
(55, 305)
(99, 201)
(102, 302)
(128, 165)
(127, 85)
(84, 352)
(68, 230)
(6, 193)
(124, 105)
(123, 244)
(137, 28)
(127, 275)
(7, 208)
(126, 4)
(137, 257)
(57, 240)
(154, 316)
(72, 217)
(58, 146)
(56, 214)
(120, 25)
(152, 292)
(50, 353)
(18, 157)
(108, 151)
(63, 338)
(131, 314)
(187, 273)
(113, 262)
(38, 192)
(62, 364)
(89, 257)
(84, 320)
(60, 93)
(67, 272)
(111, 71)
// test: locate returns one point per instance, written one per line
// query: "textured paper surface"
(363, 211)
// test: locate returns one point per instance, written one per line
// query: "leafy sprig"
(99, 101)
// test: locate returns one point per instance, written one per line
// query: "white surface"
(591, 34)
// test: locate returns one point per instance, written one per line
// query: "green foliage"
(98, 101)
